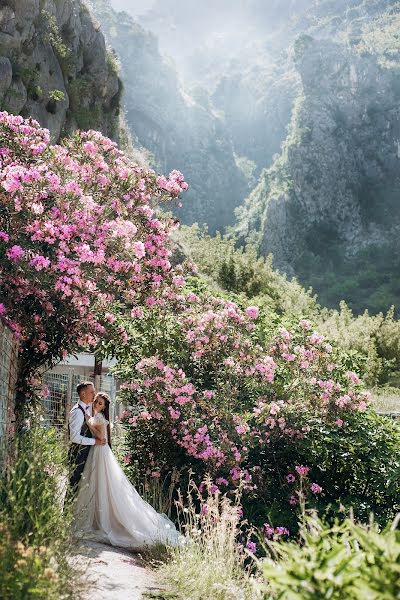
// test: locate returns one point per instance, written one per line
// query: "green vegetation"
(211, 564)
(347, 561)
(242, 272)
(369, 280)
(373, 339)
(51, 35)
(34, 530)
(56, 95)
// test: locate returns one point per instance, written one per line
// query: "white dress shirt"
(76, 419)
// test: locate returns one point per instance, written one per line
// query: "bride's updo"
(106, 412)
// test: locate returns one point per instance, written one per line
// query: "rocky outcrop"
(337, 180)
(179, 128)
(55, 67)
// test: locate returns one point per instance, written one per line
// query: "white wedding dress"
(109, 508)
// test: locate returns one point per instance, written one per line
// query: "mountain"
(179, 126)
(55, 67)
(328, 208)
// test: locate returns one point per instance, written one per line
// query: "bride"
(108, 505)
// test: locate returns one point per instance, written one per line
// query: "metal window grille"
(55, 405)
(62, 396)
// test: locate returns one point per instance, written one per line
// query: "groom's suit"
(81, 440)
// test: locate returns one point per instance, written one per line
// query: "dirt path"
(113, 573)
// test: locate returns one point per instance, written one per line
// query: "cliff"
(331, 198)
(178, 126)
(55, 67)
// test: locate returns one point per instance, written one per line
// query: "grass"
(35, 541)
(386, 400)
(212, 564)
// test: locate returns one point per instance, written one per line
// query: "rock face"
(179, 128)
(54, 66)
(337, 180)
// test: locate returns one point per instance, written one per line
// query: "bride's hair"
(106, 412)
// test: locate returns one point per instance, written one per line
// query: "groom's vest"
(78, 453)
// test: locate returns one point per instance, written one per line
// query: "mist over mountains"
(283, 116)
(304, 96)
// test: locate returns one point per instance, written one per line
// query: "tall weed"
(211, 564)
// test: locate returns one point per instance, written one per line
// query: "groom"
(80, 436)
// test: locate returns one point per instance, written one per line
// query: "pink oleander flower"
(302, 470)
(274, 408)
(251, 546)
(353, 377)
(39, 262)
(178, 280)
(90, 148)
(137, 312)
(290, 478)
(242, 429)
(3, 309)
(268, 530)
(339, 422)
(315, 488)
(305, 324)
(221, 481)
(285, 333)
(293, 500)
(15, 253)
(316, 339)
(252, 312)
(175, 414)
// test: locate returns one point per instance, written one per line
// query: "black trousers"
(77, 456)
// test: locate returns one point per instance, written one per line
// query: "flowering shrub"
(281, 418)
(77, 231)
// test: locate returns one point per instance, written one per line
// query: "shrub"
(221, 392)
(26, 571)
(76, 232)
(343, 561)
(34, 529)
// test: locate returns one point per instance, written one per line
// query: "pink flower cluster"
(174, 185)
(274, 533)
(78, 229)
(308, 361)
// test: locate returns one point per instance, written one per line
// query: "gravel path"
(113, 573)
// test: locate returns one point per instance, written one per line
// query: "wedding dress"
(110, 509)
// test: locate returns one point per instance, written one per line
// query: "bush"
(26, 571)
(343, 561)
(58, 277)
(228, 392)
(356, 464)
(34, 529)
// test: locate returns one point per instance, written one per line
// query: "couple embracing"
(107, 505)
